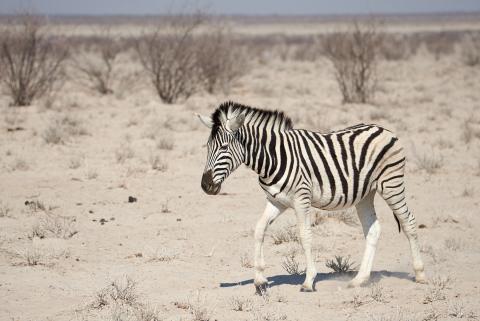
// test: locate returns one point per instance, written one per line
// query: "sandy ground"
(190, 253)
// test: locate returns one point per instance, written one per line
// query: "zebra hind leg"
(393, 192)
(371, 231)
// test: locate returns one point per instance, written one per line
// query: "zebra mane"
(281, 121)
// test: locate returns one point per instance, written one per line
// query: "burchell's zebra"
(301, 169)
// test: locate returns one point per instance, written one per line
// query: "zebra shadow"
(287, 279)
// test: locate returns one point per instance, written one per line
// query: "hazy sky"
(240, 6)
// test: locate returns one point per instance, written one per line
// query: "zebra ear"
(236, 122)
(206, 120)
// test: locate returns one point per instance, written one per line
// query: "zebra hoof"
(420, 278)
(261, 289)
(305, 288)
(356, 283)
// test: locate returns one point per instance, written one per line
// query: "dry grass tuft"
(285, 235)
(430, 162)
(60, 130)
(240, 304)
(54, 226)
(4, 210)
(165, 143)
(245, 261)
(157, 163)
(347, 217)
(341, 264)
(436, 289)
(123, 153)
(470, 50)
(290, 263)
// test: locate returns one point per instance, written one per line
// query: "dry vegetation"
(111, 141)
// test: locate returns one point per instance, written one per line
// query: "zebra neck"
(260, 149)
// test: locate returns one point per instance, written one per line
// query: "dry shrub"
(430, 162)
(240, 304)
(61, 129)
(290, 263)
(340, 264)
(396, 47)
(285, 235)
(169, 57)
(120, 301)
(354, 56)
(98, 65)
(31, 62)
(220, 61)
(440, 43)
(54, 226)
(470, 50)
(4, 210)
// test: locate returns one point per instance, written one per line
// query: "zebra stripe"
(300, 169)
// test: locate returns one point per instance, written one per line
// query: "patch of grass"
(340, 264)
(453, 244)
(245, 261)
(377, 293)
(199, 309)
(285, 235)
(240, 304)
(54, 226)
(91, 173)
(123, 153)
(430, 162)
(20, 164)
(165, 143)
(4, 210)
(291, 265)
(31, 256)
(157, 163)
(436, 289)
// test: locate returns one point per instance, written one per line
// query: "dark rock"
(132, 199)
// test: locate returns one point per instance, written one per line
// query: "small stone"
(132, 199)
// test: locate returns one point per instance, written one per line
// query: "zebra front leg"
(269, 215)
(305, 231)
(371, 231)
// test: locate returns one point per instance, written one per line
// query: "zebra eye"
(224, 147)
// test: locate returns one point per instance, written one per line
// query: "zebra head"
(224, 150)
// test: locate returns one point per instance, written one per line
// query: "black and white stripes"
(301, 169)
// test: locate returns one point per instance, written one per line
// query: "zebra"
(302, 169)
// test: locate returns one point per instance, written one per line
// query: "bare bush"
(436, 289)
(291, 265)
(54, 226)
(340, 264)
(430, 162)
(61, 129)
(97, 66)
(240, 304)
(220, 61)
(354, 56)
(4, 210)
(470, 50)
(169, 58)
(395, 47)
(31, 62)
(285, 235)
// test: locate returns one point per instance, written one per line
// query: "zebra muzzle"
(207, 184)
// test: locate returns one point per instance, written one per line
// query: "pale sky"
(255, 7)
